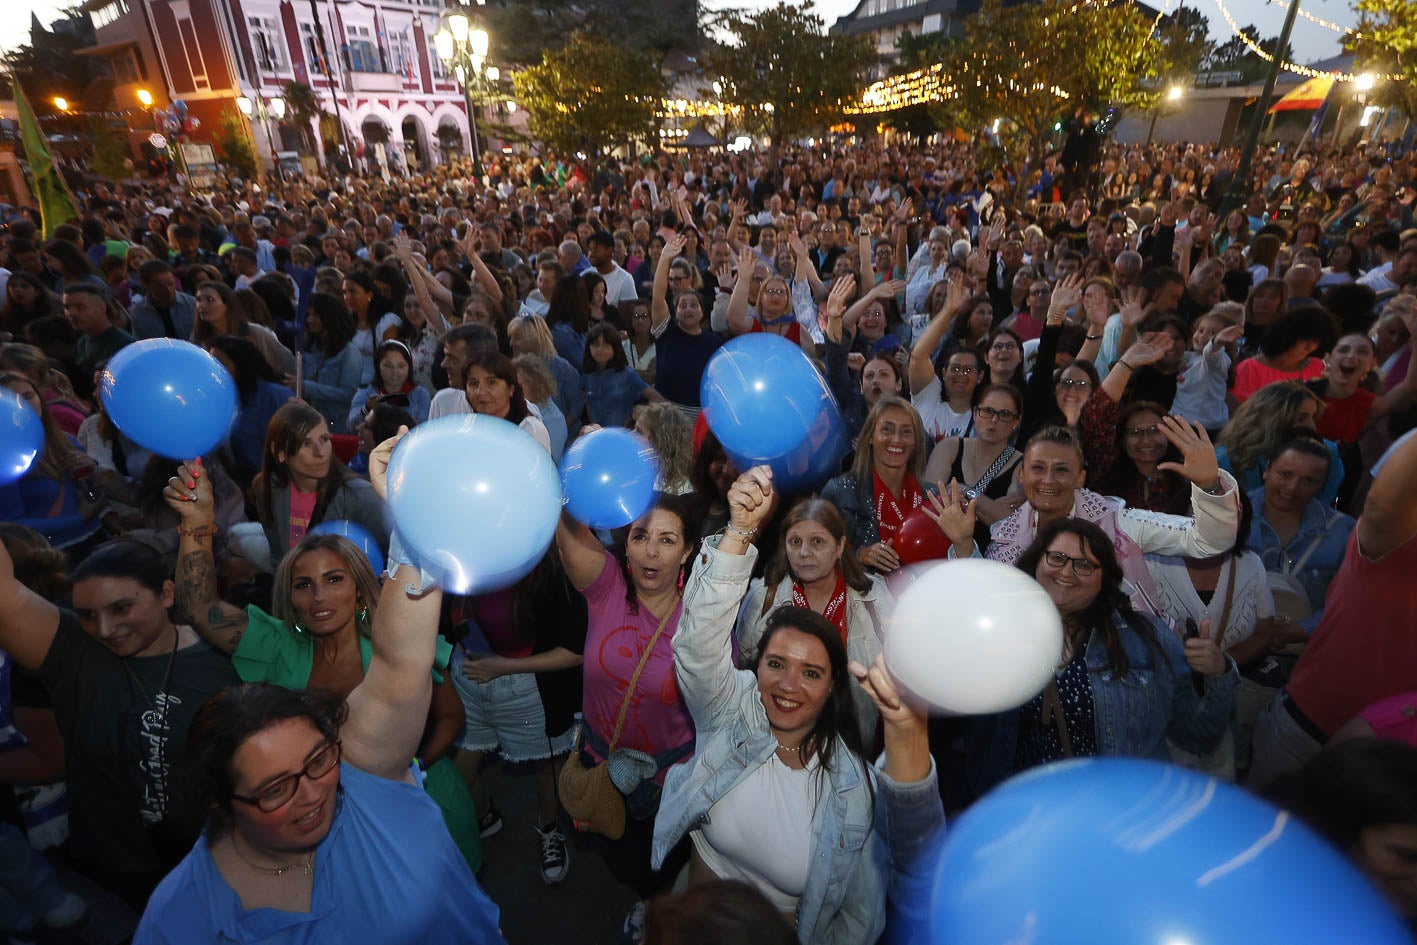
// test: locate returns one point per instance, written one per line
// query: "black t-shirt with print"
(125, 723)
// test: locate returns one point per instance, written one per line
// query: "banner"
(56, 204)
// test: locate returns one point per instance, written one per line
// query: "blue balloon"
(475, 499)
(1115, 850)
(21, 436)
(766, 403)
(170, 397)
(608, 478)
(358, 536)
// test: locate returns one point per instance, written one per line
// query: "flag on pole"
(56, 204)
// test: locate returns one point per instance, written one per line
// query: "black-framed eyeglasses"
(994, 413)
(281, 791)
(1136, 433)
(638, 316)
(1081, 566)
(1075, 383)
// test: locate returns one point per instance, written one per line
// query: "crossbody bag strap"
(1053, 705)
(1229, 599)
(630, 689)
(1291, 569)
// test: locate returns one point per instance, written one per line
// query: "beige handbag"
(588, 795)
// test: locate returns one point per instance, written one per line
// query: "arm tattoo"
(197, 597)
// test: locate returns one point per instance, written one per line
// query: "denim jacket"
(1135, 714)
(857, 505)
(859, 849)
(1330, 528)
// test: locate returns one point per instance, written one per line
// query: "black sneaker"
(555, 857)
(633, 931)
(490, 823)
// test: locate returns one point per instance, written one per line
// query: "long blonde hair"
(1263, 420)
(672, 437)
(865, 462)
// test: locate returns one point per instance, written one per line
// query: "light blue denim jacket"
(1329, 527)
(861, 851)
(1134, 715)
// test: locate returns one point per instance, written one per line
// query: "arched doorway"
(415, 143)
(376, 141)
(450, 138)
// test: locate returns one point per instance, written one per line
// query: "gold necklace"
(307, 868)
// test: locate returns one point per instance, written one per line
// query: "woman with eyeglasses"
(944, 398)
(984, 462)
(1125, 683)
(315, 777)
(1055, 396)
(777, 310)
(639, 342)
(1003, 356)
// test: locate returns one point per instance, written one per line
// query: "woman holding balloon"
(816, 569)
(319, 636)
(302, 483)
(883, 487)
(1125, 683)
(779, 793)
(635, 605)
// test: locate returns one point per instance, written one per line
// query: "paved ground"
(587, 908)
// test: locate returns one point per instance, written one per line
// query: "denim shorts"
(506, 715)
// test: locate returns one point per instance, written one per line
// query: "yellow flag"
(56, 204)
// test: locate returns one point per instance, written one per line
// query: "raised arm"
(437, 322)
(189, 494)
(739, 321)
(581, 554)
(703, 642)
(28, 622)
(865, 264)
(658, 305)
(922, 365)
(1389, 516)
(481, 275)
(805, 271)
(388, 710)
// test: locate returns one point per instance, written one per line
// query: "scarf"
(889, 517)
(835, 611)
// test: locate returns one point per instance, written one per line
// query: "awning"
(1307, 97)
(699, 137)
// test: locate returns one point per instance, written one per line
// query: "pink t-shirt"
(657, 720)
(1251, 375)
(302, 508)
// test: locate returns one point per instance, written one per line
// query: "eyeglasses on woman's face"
(281, 791)
(961, 369)
(1081, 566)
(996, 413)
(1003, 346)
(1075, 383)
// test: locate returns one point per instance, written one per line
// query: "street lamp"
(1174, 94)
(145, 98)
(463, 48)
(262, 108)
(61, 103)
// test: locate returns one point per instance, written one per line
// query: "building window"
(401, 58)
(192, 48)
(125, 68)
(109, 14)
(363, 56)
(268, 43)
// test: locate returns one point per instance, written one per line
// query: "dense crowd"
(1188, 423)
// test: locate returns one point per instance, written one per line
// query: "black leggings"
(628, 859)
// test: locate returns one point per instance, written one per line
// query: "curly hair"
(1257, 425)
(671, 435)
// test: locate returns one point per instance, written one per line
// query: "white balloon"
(973, 636)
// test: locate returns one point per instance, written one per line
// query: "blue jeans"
(28, 886)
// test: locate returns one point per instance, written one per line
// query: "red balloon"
(920, 538)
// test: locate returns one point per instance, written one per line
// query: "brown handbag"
(588, 795)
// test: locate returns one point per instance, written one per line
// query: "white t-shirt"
(940, 419)
(452, 401)
(619, 285)
(760, 832)
(1176, 595)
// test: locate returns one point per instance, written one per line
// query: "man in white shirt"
(619, 284)
(1390, 278)
(538, 300)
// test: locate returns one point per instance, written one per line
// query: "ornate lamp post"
(463, 48)
(263, 109)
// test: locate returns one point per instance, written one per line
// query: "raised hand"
(1198, 462)
(897, 708)
(674, 246)
(726, 276)
(1149, 349)
(1230, 334)
(888, 289)
(379, 463)
(1067, 294)
(189, 494)
(750, 501)
(1133, 311)
(954, 511)
(843, 290)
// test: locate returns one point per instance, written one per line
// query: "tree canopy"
(784, 70)
(591, 95)
(1386, 44)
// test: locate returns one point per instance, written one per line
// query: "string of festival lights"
(1306, 71)
(1326, 24)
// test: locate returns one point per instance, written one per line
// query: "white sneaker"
(555, 857)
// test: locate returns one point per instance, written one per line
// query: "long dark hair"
(682, 509)
(286, 434)
(73, 264)
(251, 366)
(837, 719)
(224, 723)
(569, 304)
(825, 514)
(238, 315)
(1110, 604)
(1124, 473)
(336, 325)
(500, 366)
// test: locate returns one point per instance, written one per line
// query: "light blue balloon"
(170, 397)
(21, 437)
(767, 404)
(608, 477)
(475, 499)
(1115, 850)
(358, 536)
